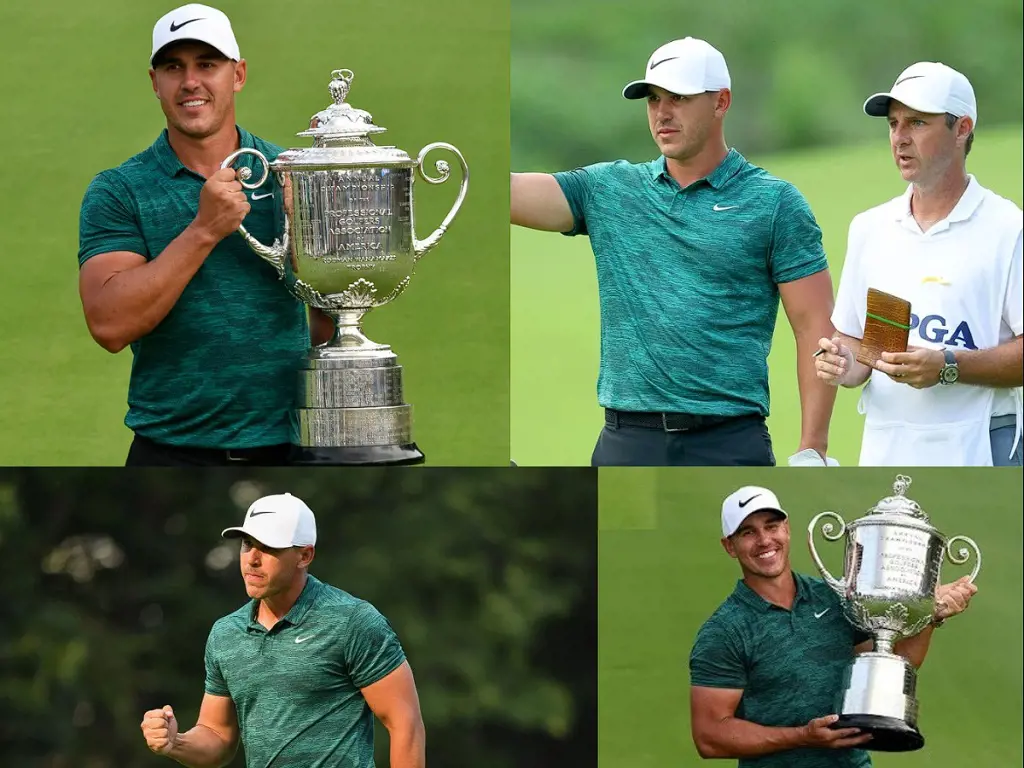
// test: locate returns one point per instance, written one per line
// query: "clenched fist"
(222, 205)
(160, 729)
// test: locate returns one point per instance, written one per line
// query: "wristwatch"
(950, 372)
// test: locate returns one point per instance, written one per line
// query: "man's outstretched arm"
(537, 202)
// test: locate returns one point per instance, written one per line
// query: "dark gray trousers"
(740, 442)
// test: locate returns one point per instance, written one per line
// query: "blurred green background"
(79, 101)
(663, 572)
(112, 580)
(800, 74)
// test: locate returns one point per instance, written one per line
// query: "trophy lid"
(341, 135)
(898, 505)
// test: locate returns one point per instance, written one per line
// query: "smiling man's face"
(761, 544)
(196, 85)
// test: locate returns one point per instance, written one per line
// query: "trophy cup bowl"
(892, 566)
(347, 243)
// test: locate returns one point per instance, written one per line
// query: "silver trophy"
(893, 558)
(346, 244)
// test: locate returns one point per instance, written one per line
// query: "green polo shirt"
(296, 687)
(688, 280)
(789, 665)
(220, 370)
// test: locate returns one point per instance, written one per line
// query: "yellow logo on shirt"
(934, 279)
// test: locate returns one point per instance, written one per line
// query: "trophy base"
(351, 410)
(888, 734)
(357, 456)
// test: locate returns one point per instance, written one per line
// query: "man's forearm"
(321, 327)
(1001, 366)
(201, 747)
(733, 738)
(408, 746)
(133, 302)
(816, 397)
(915, 648)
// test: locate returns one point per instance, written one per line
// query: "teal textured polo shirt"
(789, 665)
(688, 280)
(220, 370)
(296, 687)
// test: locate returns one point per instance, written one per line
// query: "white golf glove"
(809, 457)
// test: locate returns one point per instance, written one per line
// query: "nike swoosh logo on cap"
(912, 77)
(264, 512)
(176, 27)
(744, 503)
(659, 63)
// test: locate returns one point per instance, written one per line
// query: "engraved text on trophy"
(902, 558)
(359, 217)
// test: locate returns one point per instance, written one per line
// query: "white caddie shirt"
(964, 281)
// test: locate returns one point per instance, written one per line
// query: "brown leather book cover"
(886, 327)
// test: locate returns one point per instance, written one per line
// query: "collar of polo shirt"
(962, 211)
(754, 600)
(728, 168)
(298, 612)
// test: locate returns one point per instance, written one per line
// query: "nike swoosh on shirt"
(176, 27)
(724, 207)
(819, 615)
(304, 639)
(260, 197)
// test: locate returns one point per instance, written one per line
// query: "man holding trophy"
(773, 678)
(216, 337)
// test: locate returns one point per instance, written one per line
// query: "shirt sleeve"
(215, 684)
(107, 221)
(373, 650)
(1013, 305)
(717, 659)
(851, 299)
(796, 249)
(578, 187)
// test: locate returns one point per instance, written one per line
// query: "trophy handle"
(838, 586)
(963, 554)
(422, 246)
(272, 254)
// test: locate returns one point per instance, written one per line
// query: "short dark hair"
(950, 122)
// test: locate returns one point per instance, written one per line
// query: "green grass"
(663, 572)
(426, 71)
(555, 319)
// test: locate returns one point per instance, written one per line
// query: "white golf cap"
(195, 22)
(930, 87)
(684, 67)
(278, 521)
(745, 502)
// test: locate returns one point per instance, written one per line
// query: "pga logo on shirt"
(936, 329)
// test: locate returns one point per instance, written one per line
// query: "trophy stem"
(885, 639)
(348, 332)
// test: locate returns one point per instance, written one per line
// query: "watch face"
(950, 374)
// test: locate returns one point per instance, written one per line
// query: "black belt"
(275, 454)
(668, 422)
